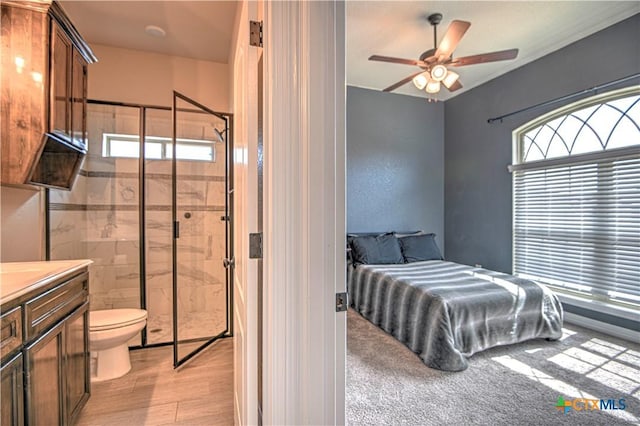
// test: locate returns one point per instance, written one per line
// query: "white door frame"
(304, 212)
(245, 136)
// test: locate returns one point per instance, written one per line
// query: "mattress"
(445, 312)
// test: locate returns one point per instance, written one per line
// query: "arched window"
(576, 199)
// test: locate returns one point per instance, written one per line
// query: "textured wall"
(478, 193)
(395, 169)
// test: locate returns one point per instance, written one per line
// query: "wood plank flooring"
(153, 393)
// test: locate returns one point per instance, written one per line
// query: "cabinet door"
(12, 396)
(44, 360)
(24, 60)
(60, 90)
(78, 96)
(76, 340)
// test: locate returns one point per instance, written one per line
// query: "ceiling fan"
(434, 62)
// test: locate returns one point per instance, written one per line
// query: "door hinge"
(341, 302)
(176, 229)
(255, 245)
(229, 263)
(255, 33)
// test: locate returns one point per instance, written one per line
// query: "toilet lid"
(114, 318)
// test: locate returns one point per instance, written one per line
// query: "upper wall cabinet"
(44, 90)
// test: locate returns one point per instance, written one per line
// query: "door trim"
(304, 208)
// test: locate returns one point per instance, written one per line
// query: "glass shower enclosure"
(199, 212)
(155, 218)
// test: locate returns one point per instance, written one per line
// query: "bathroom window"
(157, 148)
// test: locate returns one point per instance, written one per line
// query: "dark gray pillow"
(376, 249)
(417, 248)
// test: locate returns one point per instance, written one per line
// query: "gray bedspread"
(446, 312)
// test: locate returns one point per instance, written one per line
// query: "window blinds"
(577, 227)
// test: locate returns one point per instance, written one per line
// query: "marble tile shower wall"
(99, 219)
(200, 250)
(67, 227)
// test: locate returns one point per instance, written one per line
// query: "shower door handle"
(229, 263)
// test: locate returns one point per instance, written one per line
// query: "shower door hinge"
(255, 33)
(255, 245)
(341, 302)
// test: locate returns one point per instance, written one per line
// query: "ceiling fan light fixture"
(433, 86)
(450, 78)
(420, 81)
(439, 72)
(433, 62)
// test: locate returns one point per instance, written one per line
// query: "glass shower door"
(200, 216)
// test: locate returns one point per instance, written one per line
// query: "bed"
(444, 311)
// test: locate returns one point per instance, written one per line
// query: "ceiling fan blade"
(502, 55)
(455, 86)
(402, 82)
(395, 60)
(451, 39)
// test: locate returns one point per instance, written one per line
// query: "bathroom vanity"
(44, 343)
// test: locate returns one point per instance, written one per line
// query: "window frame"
(166, 143)
(611, 305)
(518, 134)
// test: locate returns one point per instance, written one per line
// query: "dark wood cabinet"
(44, 364)
(12, 393)
(60, 105)
(76, 365)
(68, 87)
(49, 370)
(78, 96)
(23, 101)
(43, 80)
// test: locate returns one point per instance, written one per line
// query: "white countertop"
(18, 278)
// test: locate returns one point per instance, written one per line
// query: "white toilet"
(109, 332)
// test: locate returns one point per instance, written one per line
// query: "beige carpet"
(387, 384)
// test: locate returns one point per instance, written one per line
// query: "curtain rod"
(564, 98)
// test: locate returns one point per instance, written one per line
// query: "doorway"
(123, 210)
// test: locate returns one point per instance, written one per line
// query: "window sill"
(598, 306)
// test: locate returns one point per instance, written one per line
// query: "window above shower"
(157, 148)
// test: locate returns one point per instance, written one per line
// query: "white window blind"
(577, 227)
(576, 216)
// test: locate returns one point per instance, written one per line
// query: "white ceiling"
(194, 29)
(203, 30)
(400, 29)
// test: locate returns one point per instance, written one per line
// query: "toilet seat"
(109, 319)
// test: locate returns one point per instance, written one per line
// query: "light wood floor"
(153, 393)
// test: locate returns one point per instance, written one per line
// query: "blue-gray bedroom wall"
(395, 163)
(478, 192)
